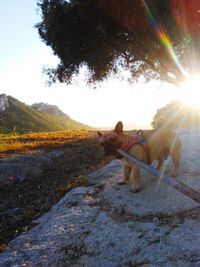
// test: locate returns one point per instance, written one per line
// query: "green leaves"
(107, 36)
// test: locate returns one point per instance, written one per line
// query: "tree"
(153, 38)
(176, 114)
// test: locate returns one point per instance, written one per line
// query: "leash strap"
(138, 139)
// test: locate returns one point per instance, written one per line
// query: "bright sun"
(190, 92)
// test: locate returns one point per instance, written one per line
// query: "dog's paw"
(173, 174)
(122, 182)
(135, 190)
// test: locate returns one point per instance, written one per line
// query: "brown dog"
(153, 144)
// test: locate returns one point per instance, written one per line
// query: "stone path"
(105, 225)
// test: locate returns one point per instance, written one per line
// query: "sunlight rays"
(190, 92)
(164, 39)
(181, 118)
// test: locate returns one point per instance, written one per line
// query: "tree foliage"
(176, 114)
(153, 38)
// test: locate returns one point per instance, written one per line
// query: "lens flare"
(190, 92)
(164, 38)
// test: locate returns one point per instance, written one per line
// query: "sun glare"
(190, 92)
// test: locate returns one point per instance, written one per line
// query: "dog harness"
(138, 139)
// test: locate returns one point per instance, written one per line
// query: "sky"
(23, 56)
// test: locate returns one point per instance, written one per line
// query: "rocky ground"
(103, 224)
(31, 184)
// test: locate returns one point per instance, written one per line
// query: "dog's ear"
(119, 127)
(99, 134)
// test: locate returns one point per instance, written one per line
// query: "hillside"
(50, 109)
(21, 118)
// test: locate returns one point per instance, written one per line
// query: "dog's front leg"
(159, 162)
(174, 171)
(175, 155)
(127, 171)
(135, 179)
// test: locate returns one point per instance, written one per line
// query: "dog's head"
(111, 141)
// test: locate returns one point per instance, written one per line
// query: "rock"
(19, 168)
(3, 102)
(95, 226)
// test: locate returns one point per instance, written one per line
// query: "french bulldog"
(150, 145)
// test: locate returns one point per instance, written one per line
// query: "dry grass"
(27, 143)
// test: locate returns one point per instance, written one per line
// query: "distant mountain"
(51, 109)
(21, 118)
(3, 102)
